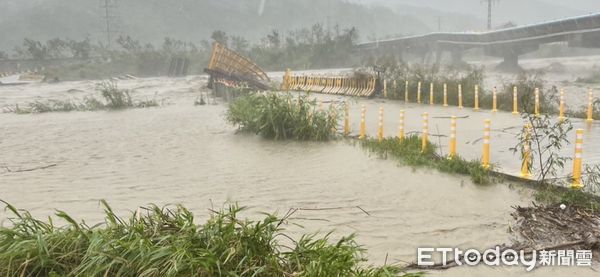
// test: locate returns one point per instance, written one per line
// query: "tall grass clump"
(283, 116)
(115, 98)
(408, 152)
(167, 242)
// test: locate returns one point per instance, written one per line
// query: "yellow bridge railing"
(342, 85)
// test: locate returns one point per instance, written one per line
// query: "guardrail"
(343, 85)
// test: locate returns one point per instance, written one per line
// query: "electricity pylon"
(110, 17)
(490, 3)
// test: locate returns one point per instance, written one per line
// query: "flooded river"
(186, 154)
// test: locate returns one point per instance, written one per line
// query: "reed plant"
(284, 116)
(166, 241)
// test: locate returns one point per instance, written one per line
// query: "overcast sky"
(516, 11)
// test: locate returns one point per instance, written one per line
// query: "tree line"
(303, 48)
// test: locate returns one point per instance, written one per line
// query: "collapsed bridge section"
(226, 65)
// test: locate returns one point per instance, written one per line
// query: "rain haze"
(299, 138)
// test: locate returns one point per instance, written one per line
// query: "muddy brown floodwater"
(186, 154)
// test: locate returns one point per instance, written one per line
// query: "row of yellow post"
(343, 85)
(452, 149)
(515, 106)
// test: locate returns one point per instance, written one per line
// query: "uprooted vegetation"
(283, 116)
(113, 99)
(167, 242)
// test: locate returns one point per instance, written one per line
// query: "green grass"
(114, 99)
(167, 242)
(282, 116)
(553, 195)
(408, 152)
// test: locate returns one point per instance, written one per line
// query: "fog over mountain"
(194, 20)
(461, 15)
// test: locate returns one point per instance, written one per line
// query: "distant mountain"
(194, 20)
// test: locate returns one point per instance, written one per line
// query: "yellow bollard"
(384, 88)
(494, 101)
(424, 136)
(460, 105)
(431, 94)
(526, 153)
(286, 80)
(452, 151)
(320, 105)
(515, 103)
(537, 102)
(419, 93)
(445, 95)
(406, 91)
(363, 127)
(401, 126)
(590, 109)
(561, 106)
(380, 129)
(346, 120)
(476, 104)
(576, 184)
(485, 160)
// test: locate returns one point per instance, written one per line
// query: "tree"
(80, 49)
(239, 44)
(273, 40)
(129, 44)
(35, 49)
(544, 138)
(220, 37)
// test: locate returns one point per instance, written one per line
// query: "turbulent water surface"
(186, 154)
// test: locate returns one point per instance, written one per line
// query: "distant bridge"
(510, 43)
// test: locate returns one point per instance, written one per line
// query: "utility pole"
(109, 15)
(489, 25)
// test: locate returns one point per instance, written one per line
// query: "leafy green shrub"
(167, 242)
(282, 116)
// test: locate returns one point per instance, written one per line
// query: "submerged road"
(504, 129)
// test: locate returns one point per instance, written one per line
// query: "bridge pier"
(456, 56)
(510, 63)
(511, 53)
